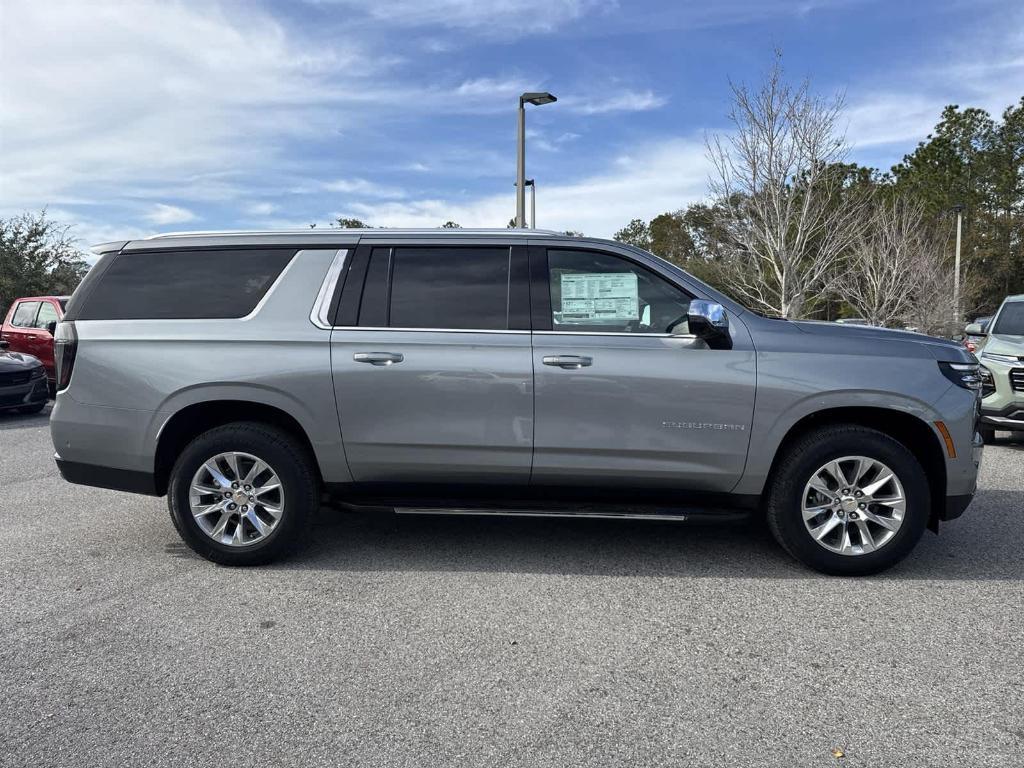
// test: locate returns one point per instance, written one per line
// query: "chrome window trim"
(421, 330)
(539, 333)
(319, 314)
(618, 333)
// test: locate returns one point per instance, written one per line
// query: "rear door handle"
(568, 362)
(378, 358)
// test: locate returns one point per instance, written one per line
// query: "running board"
(677, 516)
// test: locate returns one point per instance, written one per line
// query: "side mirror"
(52, 327)
(708, 321)
(976, 329)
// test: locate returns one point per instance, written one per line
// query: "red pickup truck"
(29, 327)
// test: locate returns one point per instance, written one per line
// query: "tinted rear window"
(464, 288)
(183, 284)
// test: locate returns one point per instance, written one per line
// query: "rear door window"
(447, 288)
(184, 284)
(25, 314)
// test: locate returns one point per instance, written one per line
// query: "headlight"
(1008, 359)
(988, 383)
(964, 375)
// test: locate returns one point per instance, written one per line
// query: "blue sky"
(132, 117)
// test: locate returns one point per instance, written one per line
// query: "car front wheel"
(848, 500)
(243, 494)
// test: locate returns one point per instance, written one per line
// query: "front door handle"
(378, 358)
(569, 362)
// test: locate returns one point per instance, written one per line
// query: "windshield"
(1011, 319)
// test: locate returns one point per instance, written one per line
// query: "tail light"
(65, 347)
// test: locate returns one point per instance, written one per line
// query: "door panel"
(647, 412)
(20, 332)
(457, 407)
(620, 402)
(432, 385)
(48, 313)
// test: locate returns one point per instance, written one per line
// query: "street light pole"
(533, 203)
(537, 99)
(956, 266)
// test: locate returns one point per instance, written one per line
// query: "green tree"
(351, 223)
(970, 159)
(670, 237)
(636, 233)
(451, 225)
(37, 257)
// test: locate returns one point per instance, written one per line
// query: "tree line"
(794, 230)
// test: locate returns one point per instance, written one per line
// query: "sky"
(126, 118)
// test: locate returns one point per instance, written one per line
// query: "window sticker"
(596, 298)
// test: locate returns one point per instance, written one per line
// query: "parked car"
(22, 382)
(29, 328)
(1001, 351)
(246, 376)
(973, 341)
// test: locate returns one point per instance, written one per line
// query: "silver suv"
(248, 376)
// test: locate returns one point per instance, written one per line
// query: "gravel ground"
(497, 642)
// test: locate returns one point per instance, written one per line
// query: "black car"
(23, 385)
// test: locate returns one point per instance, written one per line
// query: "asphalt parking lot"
(497, 642)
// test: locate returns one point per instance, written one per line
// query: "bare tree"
(895, 273)
(784, 196)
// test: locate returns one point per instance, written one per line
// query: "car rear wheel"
(848, 500)
(243, 494)
(988, 436)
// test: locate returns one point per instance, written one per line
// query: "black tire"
(299, 484)
(812, 451)
(34, 408)
(988, 436)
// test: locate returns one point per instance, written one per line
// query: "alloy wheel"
(853, 505)
(236, 499)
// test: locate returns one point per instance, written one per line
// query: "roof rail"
(334, 232)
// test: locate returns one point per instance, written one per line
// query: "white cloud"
(86, 232)
(163, 214)
(259, 209)
(124, 96)
(624, 101)
(658, 177)
(538, 139)
(497, 18)
(907, 107)
(490, 86)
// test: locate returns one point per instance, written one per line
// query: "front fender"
(775, 416)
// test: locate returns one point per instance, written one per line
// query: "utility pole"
(959, 209)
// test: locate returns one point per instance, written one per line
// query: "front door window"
(601, 293)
